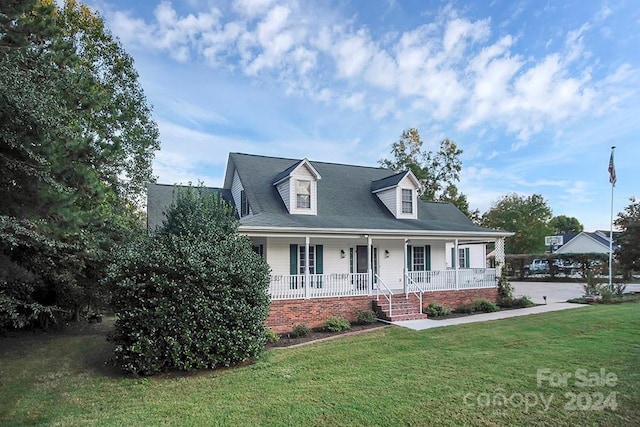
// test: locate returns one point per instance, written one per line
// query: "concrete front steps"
(402, 308)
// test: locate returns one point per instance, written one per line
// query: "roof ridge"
(314, 161)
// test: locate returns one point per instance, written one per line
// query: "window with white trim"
(418, 258)
(463, 262)
(303, 194)
(407, 201)
(312, 260)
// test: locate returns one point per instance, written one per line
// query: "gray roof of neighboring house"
(345, 200)
(161, 196)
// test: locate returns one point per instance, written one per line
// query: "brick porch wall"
(283, 314)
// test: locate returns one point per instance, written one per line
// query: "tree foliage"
(438, 172)
(76, 144)
(192, 295)
(563, 224)
(628, 222)
(527, 217)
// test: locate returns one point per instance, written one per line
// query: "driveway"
(554, 291)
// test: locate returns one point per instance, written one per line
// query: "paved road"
(554, 291)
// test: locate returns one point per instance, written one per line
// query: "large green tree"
(191, 296)
(76, 144)
(438, 172)
(527, 217)
(563, 224)
(628, 222)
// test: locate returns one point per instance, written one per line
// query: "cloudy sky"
(535, 92)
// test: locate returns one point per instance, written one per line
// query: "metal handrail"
(410, 283)
(388, 297)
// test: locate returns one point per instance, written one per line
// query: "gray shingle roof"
(390, 181)
(161, 196)
(345, 200)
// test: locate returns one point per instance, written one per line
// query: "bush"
(300, 330)
(478, 306)
(484, 306)
(435, 310)
(365, 317)
(336, 324)
(522, 302)
(271, 336)
(191, 296)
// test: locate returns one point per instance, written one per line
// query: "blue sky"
(535, 92)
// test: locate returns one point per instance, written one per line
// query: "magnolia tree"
(193, 295)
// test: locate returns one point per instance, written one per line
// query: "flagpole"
(612, 179)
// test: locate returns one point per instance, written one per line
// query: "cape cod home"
(339, 238)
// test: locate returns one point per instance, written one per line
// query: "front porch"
(301, 286)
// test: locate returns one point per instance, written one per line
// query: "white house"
(338, 237)
(585, 242)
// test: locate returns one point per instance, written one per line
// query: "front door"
(361, 259)
(362, 265)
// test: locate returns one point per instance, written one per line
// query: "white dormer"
(399, 193)
(298, 188)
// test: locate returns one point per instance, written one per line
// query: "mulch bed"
(319, 335)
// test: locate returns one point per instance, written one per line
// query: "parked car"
(537, 266)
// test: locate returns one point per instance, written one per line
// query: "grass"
(392, 376)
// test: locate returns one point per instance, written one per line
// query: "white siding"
(283, 189)
(477, 255)
(388, 197)
(583, 244)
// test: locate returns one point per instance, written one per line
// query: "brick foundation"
(283, 314)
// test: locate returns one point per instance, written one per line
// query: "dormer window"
(407, 201)
(303, 194)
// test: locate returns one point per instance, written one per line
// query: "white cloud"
(450, 69)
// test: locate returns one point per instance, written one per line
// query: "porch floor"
(418, 325)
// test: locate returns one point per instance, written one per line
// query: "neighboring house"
(338, 237)
(585, 242)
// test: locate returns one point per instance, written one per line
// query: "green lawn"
(447, 376)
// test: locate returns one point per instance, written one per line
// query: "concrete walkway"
(418, 325)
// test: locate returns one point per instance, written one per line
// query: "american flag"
(612, 171)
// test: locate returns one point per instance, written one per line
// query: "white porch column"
(404, 266)
(307, 278)
(455, 261)
(499, 256)
(369, 269)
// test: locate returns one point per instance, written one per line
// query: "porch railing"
(386, 292)
(413, 288)
(445, 280)
(293, 286)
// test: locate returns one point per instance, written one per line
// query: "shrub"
(271, 336)
(337, 324)
(478, 306)
(484, 306)
(365, 317)
(191, 296)
(522, 302)
(300, 330)
(436, 310)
